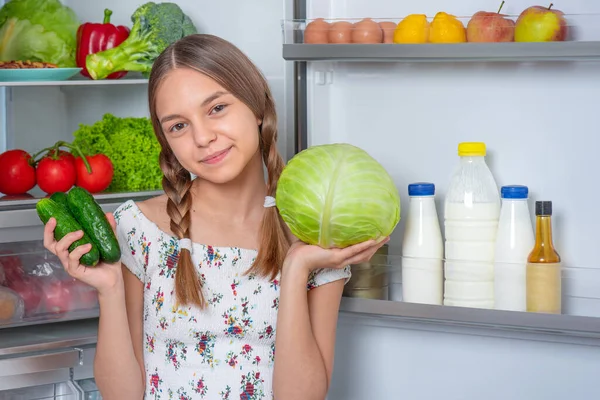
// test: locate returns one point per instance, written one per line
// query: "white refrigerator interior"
(538, 121)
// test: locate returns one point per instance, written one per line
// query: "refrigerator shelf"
(77, 82)
(565, 326)
(459, 52)
(28, 202)
(19, 220)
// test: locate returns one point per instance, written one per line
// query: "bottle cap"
(467, 149)
(514, 192)
(421, 189)
(543, 208)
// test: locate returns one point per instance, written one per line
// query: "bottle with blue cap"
(422, 248)
(514, 242)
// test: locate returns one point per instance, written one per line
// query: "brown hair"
(232, 69)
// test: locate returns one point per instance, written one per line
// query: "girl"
(193, 310)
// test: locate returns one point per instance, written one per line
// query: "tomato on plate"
(56, 172)
(17, 174)
(101, 176)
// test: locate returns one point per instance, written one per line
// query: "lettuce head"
(38, 30)
(337, 195)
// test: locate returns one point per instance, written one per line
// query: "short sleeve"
(323, 276)
(134, 246)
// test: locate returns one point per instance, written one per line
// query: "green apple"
(541, 24)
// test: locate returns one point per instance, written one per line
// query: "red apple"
(541, 24)
(487, 26)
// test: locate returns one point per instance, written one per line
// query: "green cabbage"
(337, 195)
(38, 30)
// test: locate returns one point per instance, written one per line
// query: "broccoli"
(155, 26)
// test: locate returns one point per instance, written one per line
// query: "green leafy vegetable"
(38, 30)
(155, 26)
(132, 147)
(337, 195)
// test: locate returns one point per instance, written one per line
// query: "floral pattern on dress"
(225, 351)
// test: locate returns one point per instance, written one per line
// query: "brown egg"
(367, 31)
(340, 32)
(388, 28)
(317, 31)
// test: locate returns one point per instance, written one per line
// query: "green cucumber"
(90, 215)
(66, 223)
(60, 198)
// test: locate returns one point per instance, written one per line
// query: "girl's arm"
(119, 366)
(307, 321)
(305, 339)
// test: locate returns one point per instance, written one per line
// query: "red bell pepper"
(93, 38)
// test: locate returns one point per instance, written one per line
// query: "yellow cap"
(467, 149)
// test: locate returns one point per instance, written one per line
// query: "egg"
(388, 29)
(317, 31)
(340, 32)
(367, 31)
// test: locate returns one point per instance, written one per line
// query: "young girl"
(193, 310)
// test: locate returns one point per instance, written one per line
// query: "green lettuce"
(132, 147)
(337, 195)
(38, 30)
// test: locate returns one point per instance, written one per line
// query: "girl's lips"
(217, 157)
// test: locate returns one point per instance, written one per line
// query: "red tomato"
(17, 175)
(58, 296)
(63, 154)
(56, 175)
(101, 176)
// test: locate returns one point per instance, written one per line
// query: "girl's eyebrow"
(206, 101)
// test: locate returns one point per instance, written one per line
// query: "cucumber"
(60, 198)
(90, 215)
(66, 223)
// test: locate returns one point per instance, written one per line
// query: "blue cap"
(421, 189)
(514, 192)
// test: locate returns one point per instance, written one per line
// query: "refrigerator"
(408, 106)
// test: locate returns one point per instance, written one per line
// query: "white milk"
(469, 248)
(514, 242)
(471, 211)
(422, 248)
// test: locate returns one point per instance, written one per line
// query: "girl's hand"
(309, 257)
(105, 278)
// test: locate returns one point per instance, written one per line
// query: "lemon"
(446, 28)
(412, 29)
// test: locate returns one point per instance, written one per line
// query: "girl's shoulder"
(131, 214)
(136, 232)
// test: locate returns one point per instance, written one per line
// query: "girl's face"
(212, 133)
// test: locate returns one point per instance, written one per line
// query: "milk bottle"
(471, 212)
(422, 248)
(514, 242)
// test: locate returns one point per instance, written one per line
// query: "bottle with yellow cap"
(471, 214)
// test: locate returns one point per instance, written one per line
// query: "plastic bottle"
(544, 283)
(422, 248)
(471, 212)
(514, 242)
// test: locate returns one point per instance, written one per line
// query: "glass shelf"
(459, 52)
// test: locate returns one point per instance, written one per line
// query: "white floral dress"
(223, 352)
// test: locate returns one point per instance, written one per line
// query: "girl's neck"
(238, 199)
